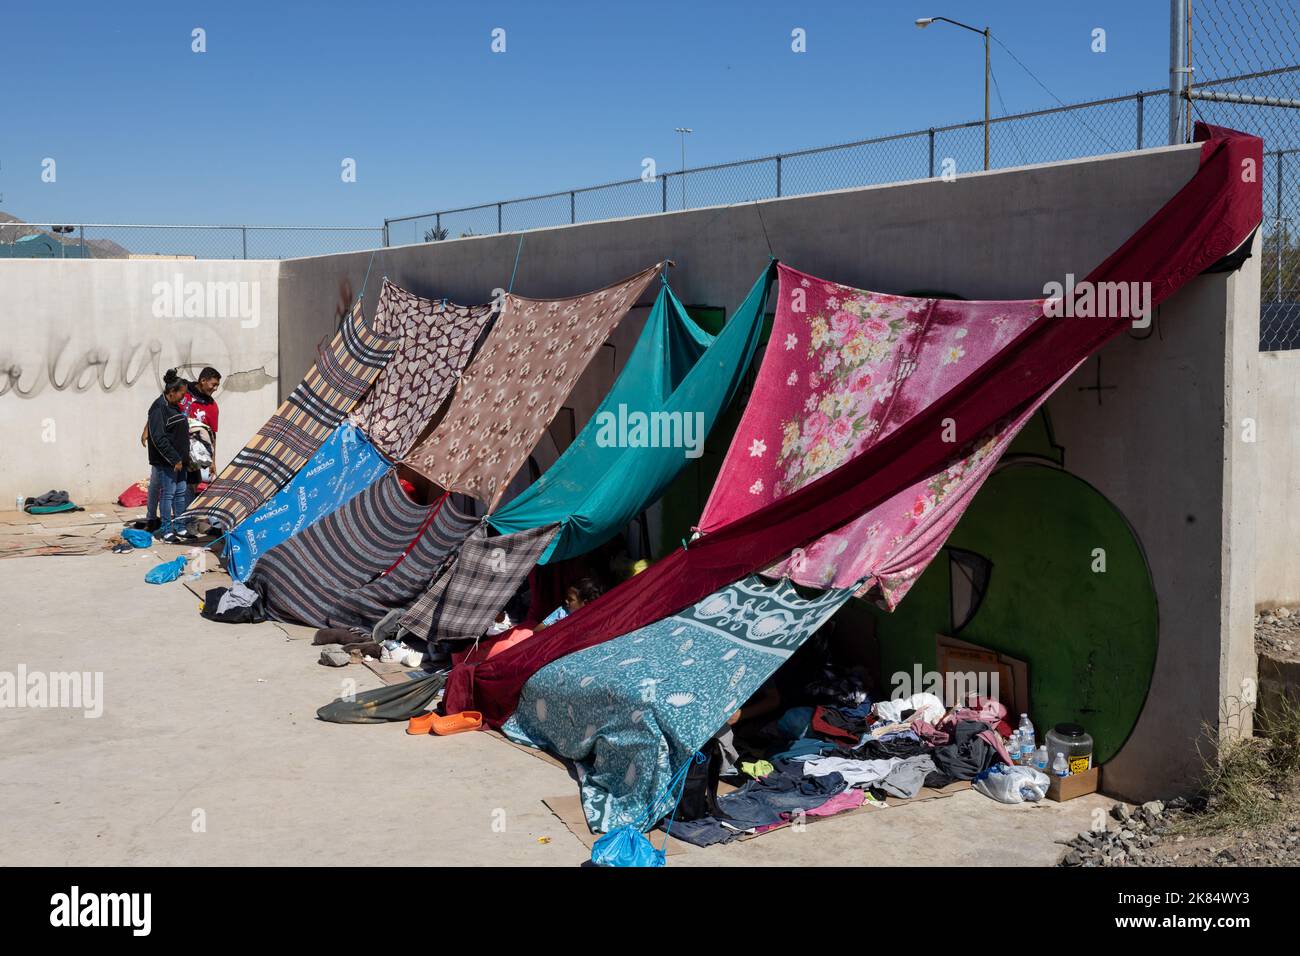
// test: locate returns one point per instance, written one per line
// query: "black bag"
(700, 796)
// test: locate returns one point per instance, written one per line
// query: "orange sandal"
(422, 724)
(457, 723)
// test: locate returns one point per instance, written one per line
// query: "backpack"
(700, 794)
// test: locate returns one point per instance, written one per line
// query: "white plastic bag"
(200, 454)
(1007, 784)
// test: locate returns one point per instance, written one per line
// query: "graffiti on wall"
(65, 368)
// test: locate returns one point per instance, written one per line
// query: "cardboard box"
(954, 655)
(1075, 785)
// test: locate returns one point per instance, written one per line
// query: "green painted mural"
(1089, 636)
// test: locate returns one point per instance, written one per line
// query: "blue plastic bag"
(137, 538)
(627, 846)
(166, 572)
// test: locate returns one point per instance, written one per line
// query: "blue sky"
(255, 129)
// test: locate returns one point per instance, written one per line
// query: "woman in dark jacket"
(169, 445)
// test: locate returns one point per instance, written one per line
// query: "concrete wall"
(82, 354)
(1162, 444)
(1277, 559)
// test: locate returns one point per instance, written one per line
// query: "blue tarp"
(631, 711)
(343, 466)
(676, 383)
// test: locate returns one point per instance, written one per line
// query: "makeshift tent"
(676, 383)
(1213, 214)
(630, 712)
(333, 386)
(514, 386)
(843, 368)
(473, 588)
(848, 368)
(343, 466)
(376, 553)
(436, 340)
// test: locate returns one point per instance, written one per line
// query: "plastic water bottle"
(19, 501)
(1027, 743)
(1040, 758)
(1013, 746)
(1060, 766)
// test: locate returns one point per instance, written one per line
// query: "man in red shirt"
(199, 406)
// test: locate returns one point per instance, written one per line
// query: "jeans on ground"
(171, 498)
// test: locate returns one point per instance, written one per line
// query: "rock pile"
(1128, 839)
(1278, 630)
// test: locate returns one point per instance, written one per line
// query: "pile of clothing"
(825, 759)
(50, 503)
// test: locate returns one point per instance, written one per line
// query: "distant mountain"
(12, 228)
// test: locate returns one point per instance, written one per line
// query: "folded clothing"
(855, 773)
(707, 831)
(907, 777)
(805, 747)
(901, 747)
(236, 604)
(49, 501)
(834, 725)
(761, 802)
(969, 754)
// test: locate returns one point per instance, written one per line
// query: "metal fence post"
(244, 230)
(1277, 226)
(778, 176)
(81, 230)
(499, 205)
(385, 233)
(932, 152)
(573, 208)
(437, 223)
(663, 182)
(1140, 120)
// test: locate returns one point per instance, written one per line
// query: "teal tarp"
(676, 383)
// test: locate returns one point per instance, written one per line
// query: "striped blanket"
(336, 573)
(343, 372)
(469, 594)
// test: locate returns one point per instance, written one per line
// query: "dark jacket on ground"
(169, 434)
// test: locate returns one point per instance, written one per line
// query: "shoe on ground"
(171, 537)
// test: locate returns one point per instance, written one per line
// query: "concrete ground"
(208, 753)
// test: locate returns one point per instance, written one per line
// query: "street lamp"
(683, 130)
(924, 22)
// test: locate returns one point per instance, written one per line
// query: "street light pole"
(924, 22)
(683, 130)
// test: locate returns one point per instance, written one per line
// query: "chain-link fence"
(1252, 42)
(1066, 132)
(1261, 102)
(44, 240)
